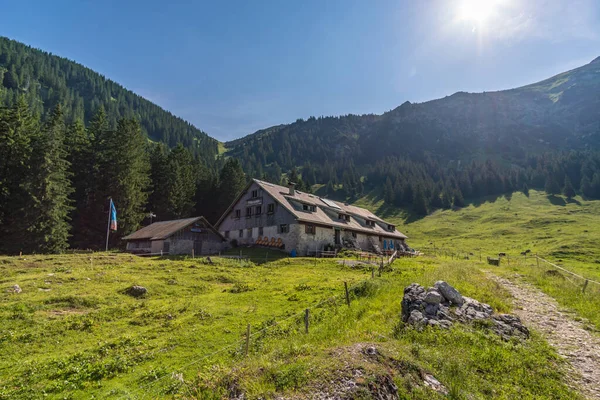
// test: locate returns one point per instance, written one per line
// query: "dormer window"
(370, 223)
(344, 217)
(391, 228)
(309, 208)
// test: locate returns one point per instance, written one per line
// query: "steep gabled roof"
(163, 229)
(320, 217)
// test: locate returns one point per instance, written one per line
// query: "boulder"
(136, 291)
(449, 293)
(421, 308)
(16, 289)
(433, 297)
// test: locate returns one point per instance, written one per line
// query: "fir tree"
(525, 190)
(419, 202)
(127, 172)
(568, 190)
(18, 130)
(459, 200)
(52, 208)
(232, 181)
(551, 187)
(586, 187)
(181, 185)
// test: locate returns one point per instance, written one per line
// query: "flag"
(113, 216)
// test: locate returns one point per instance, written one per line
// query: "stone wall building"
(303, 223)
(179, 236)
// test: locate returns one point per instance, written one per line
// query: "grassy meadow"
(564, 232)
(73, 333)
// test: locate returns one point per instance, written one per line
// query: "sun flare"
(477, 11)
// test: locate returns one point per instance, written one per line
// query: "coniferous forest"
(71, 139)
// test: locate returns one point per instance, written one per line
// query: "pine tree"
(127, 173)
(232, 181)
(568, 189)
(459, 200)
(551, 187)
(595, 186)
(18, 130)
(586, 187)
(525, 190)
(158, 200)
(388, 192)
(446, 199)
(52, 208)
(181, 185)
(419, 202)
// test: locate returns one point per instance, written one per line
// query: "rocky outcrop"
(443, 305)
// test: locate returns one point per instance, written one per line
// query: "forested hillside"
(436, 154)
(46, 80)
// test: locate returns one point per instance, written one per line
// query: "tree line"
(56, 180)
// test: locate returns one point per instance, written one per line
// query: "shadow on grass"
(573, 201)
(556, 201)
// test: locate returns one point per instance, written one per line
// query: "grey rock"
(371, 351)
(421, 308)
(136, 291)
(449, 293)
(431, 310)
(17, 289)
(415, 317)
(433, 297)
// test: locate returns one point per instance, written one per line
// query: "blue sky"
(233, 67)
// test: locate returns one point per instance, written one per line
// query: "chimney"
(292, 187)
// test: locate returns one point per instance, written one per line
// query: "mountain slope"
(562, 112)
(47, 80)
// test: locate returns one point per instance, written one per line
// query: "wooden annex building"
(179, 236)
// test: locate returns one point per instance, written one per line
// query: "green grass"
(72, 333)
(565, 232)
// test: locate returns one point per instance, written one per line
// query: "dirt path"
(578, 346)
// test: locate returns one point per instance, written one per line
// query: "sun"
(477, 11)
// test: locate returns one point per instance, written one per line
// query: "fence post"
(161, 253)
(192, 253)
(479, 256)
(306, 313)
(508, 259)
(266, 257)
(538, 260)
(347, 294)
(373, 273)
(247, 340)
(584, 286)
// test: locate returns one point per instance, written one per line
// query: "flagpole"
(108, 225)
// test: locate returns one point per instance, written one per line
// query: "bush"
(365, 288)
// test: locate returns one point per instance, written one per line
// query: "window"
(260, 231)
(248, 212)
(271, 208)
(241, 233)
(284, 228)
(370, 223)
(254, 194)
(354, 235)
(249, 234)
(258, 211)
(345, 217)
(310, 229)
(391, 228)
(227, 234)
(238, 213)
(309, 208)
